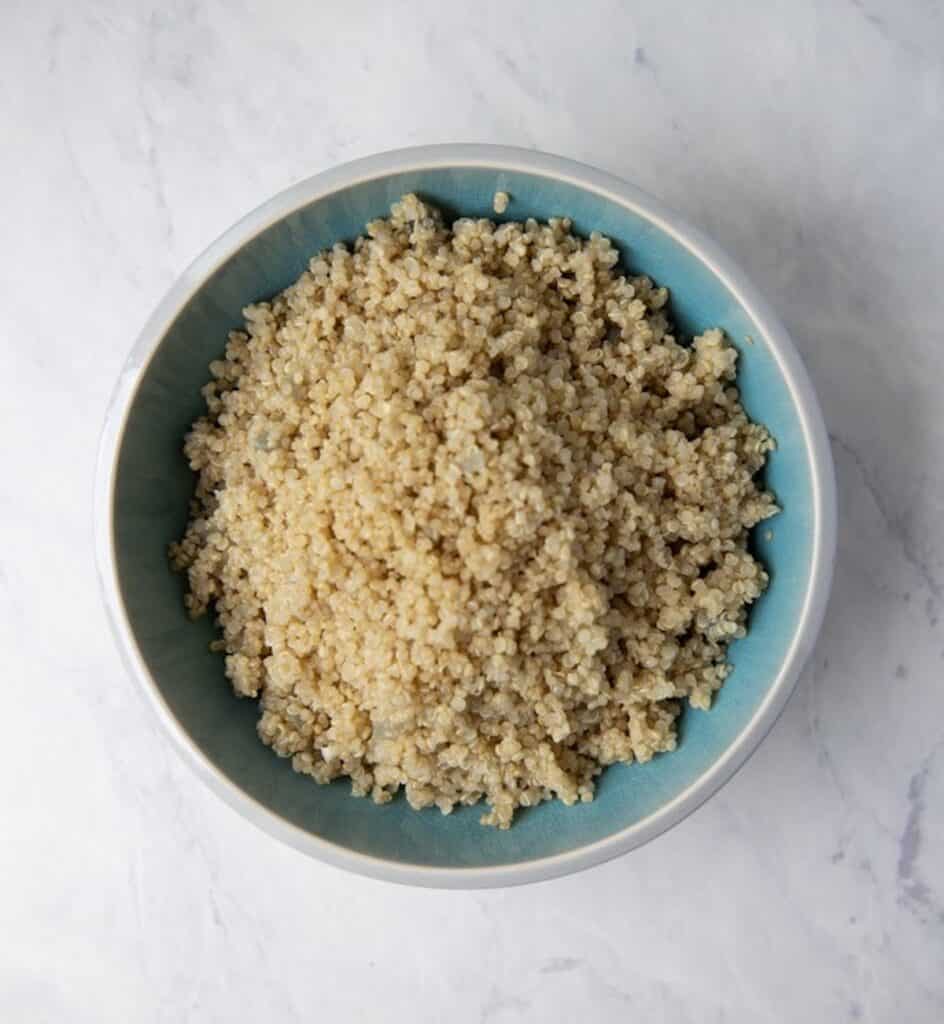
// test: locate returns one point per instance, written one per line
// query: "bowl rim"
(615, 190)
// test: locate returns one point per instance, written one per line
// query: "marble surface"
(808, 138)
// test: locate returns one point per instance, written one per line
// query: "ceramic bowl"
(144, 485)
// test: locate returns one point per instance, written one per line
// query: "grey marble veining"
(808, 138)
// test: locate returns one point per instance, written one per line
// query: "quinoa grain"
(472, 521)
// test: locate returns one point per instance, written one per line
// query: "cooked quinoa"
(472, 521)
(500, 202)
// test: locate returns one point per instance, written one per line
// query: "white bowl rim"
(499, 158)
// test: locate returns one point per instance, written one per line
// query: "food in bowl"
(472, 520)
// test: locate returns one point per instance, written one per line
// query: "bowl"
(144, 486)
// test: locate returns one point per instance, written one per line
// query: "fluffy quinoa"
(472, 521)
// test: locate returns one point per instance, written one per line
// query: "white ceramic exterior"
(769, 328)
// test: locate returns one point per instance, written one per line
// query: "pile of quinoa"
(472, 521)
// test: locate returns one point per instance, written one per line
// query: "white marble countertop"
(810, 143)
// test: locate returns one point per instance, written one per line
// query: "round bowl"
(144, 485)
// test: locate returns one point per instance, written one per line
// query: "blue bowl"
(144, 486)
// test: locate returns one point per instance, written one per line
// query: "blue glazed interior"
(153, 486)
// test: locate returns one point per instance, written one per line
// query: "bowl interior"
(153, 485)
